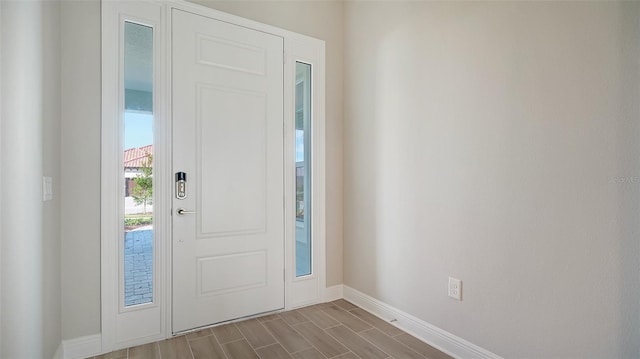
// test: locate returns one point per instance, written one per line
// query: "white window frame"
(308, 289)
(126, 326)
(121, 326)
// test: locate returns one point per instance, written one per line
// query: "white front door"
(227, 113)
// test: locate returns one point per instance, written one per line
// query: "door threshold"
(236, 320)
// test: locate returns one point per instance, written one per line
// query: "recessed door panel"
(250, 269)
(232, 160)
(231, 54)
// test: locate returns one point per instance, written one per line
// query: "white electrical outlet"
(455, 288)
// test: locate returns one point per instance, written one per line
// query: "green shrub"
(138, 221)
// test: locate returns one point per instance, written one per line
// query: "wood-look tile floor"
(337, 330)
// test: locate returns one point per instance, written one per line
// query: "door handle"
(182, 211)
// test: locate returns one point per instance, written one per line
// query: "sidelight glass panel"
(303, 169)
(138, 164)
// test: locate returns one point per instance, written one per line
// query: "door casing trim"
(298, 291)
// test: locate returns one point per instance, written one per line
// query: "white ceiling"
(138, 63)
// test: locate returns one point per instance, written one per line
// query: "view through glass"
(303, 169)
(138, 164)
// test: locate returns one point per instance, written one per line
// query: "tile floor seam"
(274, 337)
(239, 331)
(215, 337)
(350, 351)
(237, 340)
(413, 350)
(268, 331)
(346, 312)
(224, 350)
(301, 314)
(265, 328)
(365, 339)
(249, 344)
(361, 337)
(376, 317)
(338, 356)
(191, 349)
(268, 345)
(276, 315)
(339, 324)
(300, 334)
(308, 341)
(301, 350)
(335, 302)
(204, 336)
(402, 344)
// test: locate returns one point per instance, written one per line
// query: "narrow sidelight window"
(137, 264)
(303, 169)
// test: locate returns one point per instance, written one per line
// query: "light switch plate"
(47, 188)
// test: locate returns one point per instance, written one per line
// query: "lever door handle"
(182, 211)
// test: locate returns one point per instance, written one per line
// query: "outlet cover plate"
(455, 288)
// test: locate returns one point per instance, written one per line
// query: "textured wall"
(497, 142)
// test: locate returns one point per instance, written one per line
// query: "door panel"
(240, 148)
(228, 256)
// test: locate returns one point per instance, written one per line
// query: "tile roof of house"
(136, 157)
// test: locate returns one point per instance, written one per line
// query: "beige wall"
(30, 129)
(52, 301)
(80, 153)
(497, 142)
(81, 142)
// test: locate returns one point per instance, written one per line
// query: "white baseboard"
(430, 334)
(332, 293)
(82, 347)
